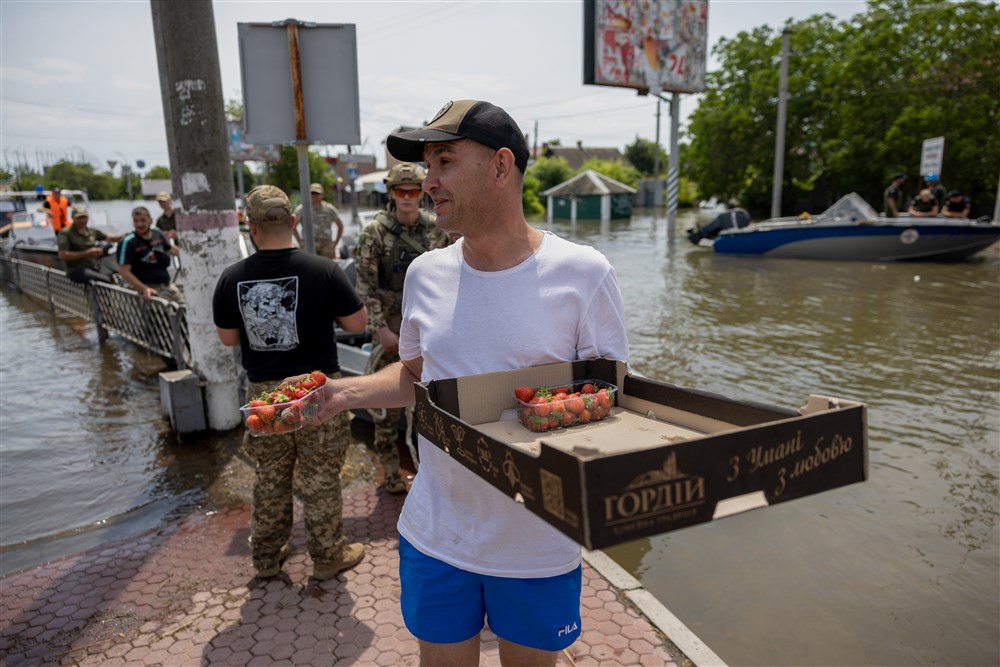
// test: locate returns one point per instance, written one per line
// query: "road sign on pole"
(932, 156)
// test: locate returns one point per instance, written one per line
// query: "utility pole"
(779, 133)
(658, 192)
(208, 231)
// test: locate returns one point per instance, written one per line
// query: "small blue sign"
(352, 173)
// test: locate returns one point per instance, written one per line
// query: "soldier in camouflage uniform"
(279, 305)
(326, 218)
(385, 249)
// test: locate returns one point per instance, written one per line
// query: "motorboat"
(27, 234)
(852, 230)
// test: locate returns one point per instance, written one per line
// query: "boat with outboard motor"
(852, 230)
(26, 232)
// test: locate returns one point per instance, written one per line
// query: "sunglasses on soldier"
(406, 193)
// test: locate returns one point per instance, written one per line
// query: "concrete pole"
(779, 134)
(673, 165)
(657, 190)
(207, 228)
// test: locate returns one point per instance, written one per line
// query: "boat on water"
(852, 230)
(26, 232)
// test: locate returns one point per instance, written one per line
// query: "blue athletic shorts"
(443, 604)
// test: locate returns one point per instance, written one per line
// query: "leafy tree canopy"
(863, 96)
(642, 154)
(81, 176)
(619, 171)
(285, 172)
(158, 172)
(549, 172)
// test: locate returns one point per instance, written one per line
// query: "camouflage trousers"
(312, 457)
(387, 430)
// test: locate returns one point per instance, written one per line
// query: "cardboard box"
(668, 458)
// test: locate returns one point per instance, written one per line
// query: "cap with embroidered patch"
(480, 121)
(263, 198)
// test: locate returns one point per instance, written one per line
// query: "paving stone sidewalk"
(185, 595)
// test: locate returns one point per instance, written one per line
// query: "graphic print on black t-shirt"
(268, 309)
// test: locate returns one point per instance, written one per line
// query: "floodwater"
(903, 569)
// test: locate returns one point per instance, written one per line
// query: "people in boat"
(924, 206)
(324, 217)
(892, 198)
(386, 247)
(505, 295)
(734, 217)
(167, 222)
(81, 248)
(56, 207)
(144, 259)
(956, 205)
(279, 305)
(933, 183)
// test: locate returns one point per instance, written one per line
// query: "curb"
(687, 641)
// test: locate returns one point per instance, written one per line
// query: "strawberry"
(587, 389)
(255, 424)
(319, 377)
(266, 413)
(524, 394)
(542, 407)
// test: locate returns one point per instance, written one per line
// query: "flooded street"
(903, 569)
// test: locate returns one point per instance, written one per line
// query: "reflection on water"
(83, 444)
(900, 570)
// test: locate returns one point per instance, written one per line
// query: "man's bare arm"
(391, 387)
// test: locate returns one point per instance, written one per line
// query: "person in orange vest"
(56, 208)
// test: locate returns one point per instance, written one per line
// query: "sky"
(79, 79)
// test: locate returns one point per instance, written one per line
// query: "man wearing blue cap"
(505, 295)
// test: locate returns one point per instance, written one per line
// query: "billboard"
(648, 45)
(243, 152)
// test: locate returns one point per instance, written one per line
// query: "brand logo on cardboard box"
(653, 498)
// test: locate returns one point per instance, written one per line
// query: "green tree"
(617, 170)
(158, 173)
(642, 154)
(550, 172)
(863, 95)
(285, 172)
(81, 176)
(530, 201)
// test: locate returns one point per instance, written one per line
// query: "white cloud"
(119, 82)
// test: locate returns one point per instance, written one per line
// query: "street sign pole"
(302, 144)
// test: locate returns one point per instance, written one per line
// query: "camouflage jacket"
(382, 258)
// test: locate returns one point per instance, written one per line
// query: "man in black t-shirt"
(280, 305)
(144, 259)
(956, 205)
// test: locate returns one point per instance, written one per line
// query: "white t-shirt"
(561, 304)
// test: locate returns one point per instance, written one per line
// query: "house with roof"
(589, 195)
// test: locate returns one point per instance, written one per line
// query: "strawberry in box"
(546, 408)
(285, 408)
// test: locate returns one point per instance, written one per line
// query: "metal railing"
(157, 325)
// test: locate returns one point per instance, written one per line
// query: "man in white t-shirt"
(504, 296)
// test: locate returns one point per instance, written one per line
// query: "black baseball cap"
(480, 121)
(954, 193)
(899, 174)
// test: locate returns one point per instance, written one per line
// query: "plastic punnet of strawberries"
(549, 407)
(285, 408)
